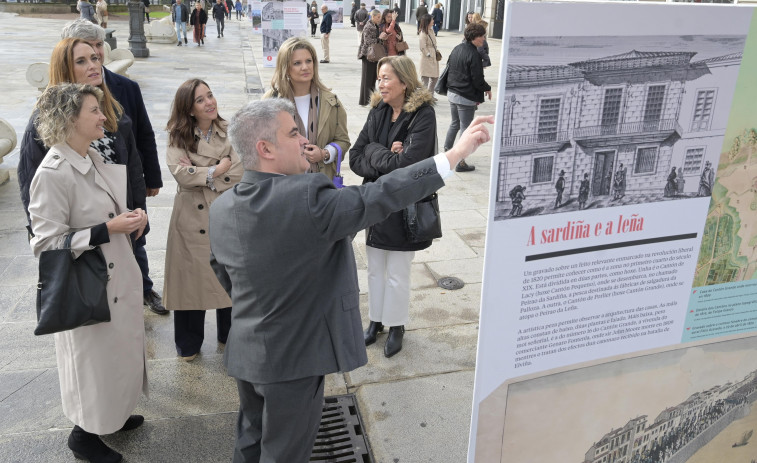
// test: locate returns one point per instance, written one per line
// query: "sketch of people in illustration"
(619, 185)
(671, 186)
(706, 180)
(560, 186)
(680, 182)
(517, 194)
(583, 192)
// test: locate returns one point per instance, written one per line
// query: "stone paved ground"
(416, 406)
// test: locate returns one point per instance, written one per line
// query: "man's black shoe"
(153, 301)
(462, 166)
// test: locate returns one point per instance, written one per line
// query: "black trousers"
(189, 329)
(367, 81)
(278, 422)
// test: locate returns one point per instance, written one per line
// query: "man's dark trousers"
(297, 406)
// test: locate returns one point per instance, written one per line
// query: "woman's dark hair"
(423, 23)
(384, 14)
(181, 125)
(466, 17)
(474, 31)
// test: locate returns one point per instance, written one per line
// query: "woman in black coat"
(400, 131)
(198, 19)
(313, 17)
(466, 85)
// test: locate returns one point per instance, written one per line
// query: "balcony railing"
(533, 139)
(627, 128)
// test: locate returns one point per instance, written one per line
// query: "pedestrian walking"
(204, 164)
(313, 17)
(238, 9)
(86, 10)
(101, 13)
(146, 3)
(180, 16)
(483, 50)
(438, 16)
(427, 46)
(466, 85)
(198, 20)
(420, 12)
(325, 33)
(219, 14)
(361, 18)
(400, 131)
(368, 38)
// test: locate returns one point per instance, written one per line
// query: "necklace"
(206, 136)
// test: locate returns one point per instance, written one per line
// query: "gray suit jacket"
(282, 247)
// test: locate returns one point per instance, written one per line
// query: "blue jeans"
(181, 27)
(462, 115)
(436, 28)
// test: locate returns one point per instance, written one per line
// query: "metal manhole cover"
(451, 283)
(340, 436)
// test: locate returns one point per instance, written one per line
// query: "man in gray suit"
(281, 245)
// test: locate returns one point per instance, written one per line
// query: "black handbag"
(422, 220)
(71, 292)
(441, 84)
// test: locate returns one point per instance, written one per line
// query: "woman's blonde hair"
(62, 71)
(280, 84)
(58, 108)
(477, 19)
(404, 68)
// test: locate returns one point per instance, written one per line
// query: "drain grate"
(340, 436)
(450, 283)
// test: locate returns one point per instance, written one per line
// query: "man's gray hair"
(82, 29)
(257, 120)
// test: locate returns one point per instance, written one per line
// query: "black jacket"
(371, 157)
(33, 151)
(184, 13)
(466, 73)
(203, 17)
(128, 94)
(219, 11)
(326, 23)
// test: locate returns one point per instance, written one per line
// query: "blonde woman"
(320, 117)
(101, 13)
(483, 50)
(427, 46)
(400, 131)
(102, 367)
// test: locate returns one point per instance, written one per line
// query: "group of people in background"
(198, 18)
(89, 160)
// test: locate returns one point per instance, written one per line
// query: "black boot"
(374, 328)
(133, 422)
(462, 166)
(394, 340)
(87, 446)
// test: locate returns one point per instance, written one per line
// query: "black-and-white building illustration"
(273, 38)
(641, 124)
(272, 11)
(677, 432)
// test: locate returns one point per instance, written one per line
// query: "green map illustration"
(729, 240)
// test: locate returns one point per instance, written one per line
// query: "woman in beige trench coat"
(427, 44)
(204, 164)
(101, 367)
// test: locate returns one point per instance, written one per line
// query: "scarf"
(312, 122)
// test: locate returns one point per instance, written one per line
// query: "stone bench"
(8, 142)
(118, 61)
(161, 31)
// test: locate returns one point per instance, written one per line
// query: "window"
(703, 110)
(646, 159)
(549, 115)
(693, 161)
(611, 110)
(653, 108)
(542, 169)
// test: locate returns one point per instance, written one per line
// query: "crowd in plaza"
(269, 250)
